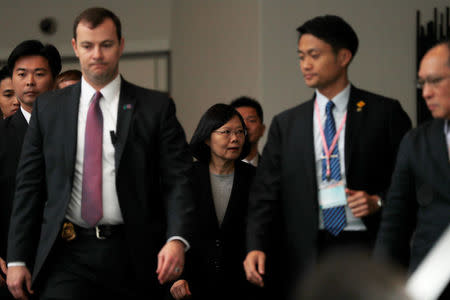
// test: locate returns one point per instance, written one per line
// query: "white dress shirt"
(254, 161)
(26, 114)
(109, 105)
(340, 101)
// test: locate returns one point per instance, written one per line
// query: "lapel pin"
(360, 105)
(127, 106)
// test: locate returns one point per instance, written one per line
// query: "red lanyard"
(327, 150)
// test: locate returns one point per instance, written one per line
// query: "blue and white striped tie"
(333, 218)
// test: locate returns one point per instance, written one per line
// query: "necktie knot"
(329, 107)
(96, 98)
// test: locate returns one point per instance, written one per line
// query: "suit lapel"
(20, 127)
(208, 206)
(304, 138)
(234, 200)
(127, 103)
(70, 121)
(438, 144)
(355, 118)
(435, 161)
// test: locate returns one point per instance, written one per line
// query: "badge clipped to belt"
(68, 232)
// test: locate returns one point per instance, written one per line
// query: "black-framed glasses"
(432, 81)
(227, 133)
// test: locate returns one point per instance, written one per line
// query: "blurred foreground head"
(352, 275)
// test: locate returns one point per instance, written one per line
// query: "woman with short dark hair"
(221, 183)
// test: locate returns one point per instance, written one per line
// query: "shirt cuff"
(16, 264)
(176, 237)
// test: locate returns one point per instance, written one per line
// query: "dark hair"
(72, 74)
(333, 30)
(364, 278)
(249, 102)
(95, 16)
(35, 47)
(4, 73)
(215, 117)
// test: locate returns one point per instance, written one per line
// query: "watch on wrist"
(379, 202)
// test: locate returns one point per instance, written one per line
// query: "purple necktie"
(91, 196)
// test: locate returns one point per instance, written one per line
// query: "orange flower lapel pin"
(360, 105)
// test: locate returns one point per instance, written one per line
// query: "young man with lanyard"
(327, 162)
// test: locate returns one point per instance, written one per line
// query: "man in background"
(33, 67)
(8, 102)
(252, 113)
(419, 197)
(67, 78)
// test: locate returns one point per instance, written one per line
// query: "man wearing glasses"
(419, 196)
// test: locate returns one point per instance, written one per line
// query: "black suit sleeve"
(265, 191)
(399, 213)
(400, 124)
(175, 163)
(29, 200)
(5, 183)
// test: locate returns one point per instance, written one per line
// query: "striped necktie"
(333, 218)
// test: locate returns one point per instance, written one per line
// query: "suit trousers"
(359, 240)
(89, 268)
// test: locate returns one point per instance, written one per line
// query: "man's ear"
(74, 46)
(122, 45)
(344, 57)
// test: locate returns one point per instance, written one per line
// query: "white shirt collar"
(109, 91)
(254, 161)
(340, 100)
(26, 114)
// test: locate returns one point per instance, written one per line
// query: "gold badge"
(68, 231)
(360, 105)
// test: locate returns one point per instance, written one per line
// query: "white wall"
(224, 49)
(216, 55)
(145, 24)
(385, 62)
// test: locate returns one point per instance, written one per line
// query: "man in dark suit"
(328, 193)
(8, 101)
(33, 68)
(114, 161)
(419, 198)
(252, 113)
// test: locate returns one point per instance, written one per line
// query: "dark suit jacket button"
(218, 266)
(218, 243)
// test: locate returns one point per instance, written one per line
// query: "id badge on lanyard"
(331, 192)
(332, 195)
